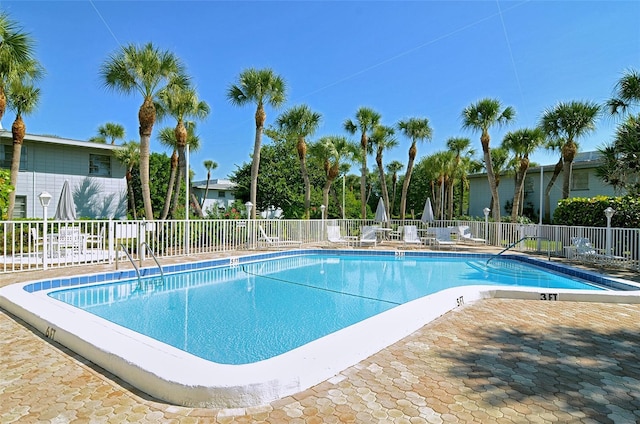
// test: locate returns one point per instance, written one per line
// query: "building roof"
(47, 139)
(214, 184)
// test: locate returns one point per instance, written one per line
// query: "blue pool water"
(247, 313)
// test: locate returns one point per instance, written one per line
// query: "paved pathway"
(492, 361)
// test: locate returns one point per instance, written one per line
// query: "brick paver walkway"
(493, 361)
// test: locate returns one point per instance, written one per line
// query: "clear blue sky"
(404, 59)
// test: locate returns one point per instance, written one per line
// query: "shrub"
(589, 212)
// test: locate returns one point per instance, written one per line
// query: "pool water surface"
(244, 314)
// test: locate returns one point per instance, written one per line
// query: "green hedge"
(589, 212)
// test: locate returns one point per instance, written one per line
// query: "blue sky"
(404, 59)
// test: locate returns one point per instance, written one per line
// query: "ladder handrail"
(124, 249)
(144, 243)
(522, 239)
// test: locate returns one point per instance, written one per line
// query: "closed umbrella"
(381, 212)
(427, 213)
(66, 210)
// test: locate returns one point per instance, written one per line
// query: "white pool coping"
(180, 378)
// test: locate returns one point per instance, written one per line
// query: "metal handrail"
(144, 243)
(124, 249)
(515, 243)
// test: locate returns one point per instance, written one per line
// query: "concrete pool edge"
(176, 377)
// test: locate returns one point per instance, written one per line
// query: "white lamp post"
(322, 207)
(249, 206)
(609, 214)
(486, 212)
(45, 199)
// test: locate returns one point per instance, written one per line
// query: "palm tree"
(111, 131)
(460, 146)
(129, 155)
(298, 123)
(621, 167)
(366, 120)
(257, 86)
(417, 129)
(181, 103)
(522, 143)
(16, 55)
(145, 70)
(383, 139)
(393, 168)
(23, 98)
(481, 116)
(332, 151)
(567, 122)
(208, 165)
(627, 93)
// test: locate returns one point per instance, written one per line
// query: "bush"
(589, 212)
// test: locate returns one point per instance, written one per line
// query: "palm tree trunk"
(146, 118)
(407, 179)
(517, 194)
(302, 156)
(363, 177)
(132, 199)
(493, 186)
(172, 179)
(547, 203)
(383, 184)
(18, 130)
(178, 181)
(394, 180)
(206, 188)
(260, 117)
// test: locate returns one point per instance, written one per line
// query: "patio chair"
(368, 236)
(95, 241)
(584, 251)
(397, 233)
(333, 236)
(274, 241)
(443, 238)
(38, 241)
(411, 236)
(464, 234)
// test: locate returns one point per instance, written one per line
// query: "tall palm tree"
(460, 146)
(621, 167)
(181, 103)
(366, 120)
(568, 122)
(145, 70)
(393, 168)
(23, 98)
(627, 93)
(332, 151)
(16, 55)
(129, 155)
(257, 86)
(383, 139)
(522, 143)
(111, 132)
(208, 165)
(298, 123)
(481, 116)
(502, 165)
(416, 129)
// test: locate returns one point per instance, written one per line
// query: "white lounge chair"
(464, 234)
(410, 236)
(274, 241)
(333, 236)
(584, 251)
(443, 238)
(368, 236)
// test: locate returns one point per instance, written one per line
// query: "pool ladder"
(137, 268)
(521, 240)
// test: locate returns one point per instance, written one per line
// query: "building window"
(580, 180)
(222, 194)
(6, 156)
(20, 208)
(100, 165)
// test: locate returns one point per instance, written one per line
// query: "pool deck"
(497, 360)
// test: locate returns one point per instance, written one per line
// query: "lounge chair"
(584, 251)
(274, 241)
(333, 236)
(443, 238)
(411, 236)
(368, 236)
(464, 234)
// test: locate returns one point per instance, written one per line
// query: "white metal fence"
(30, 245)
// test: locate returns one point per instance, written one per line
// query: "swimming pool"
(389, 294)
